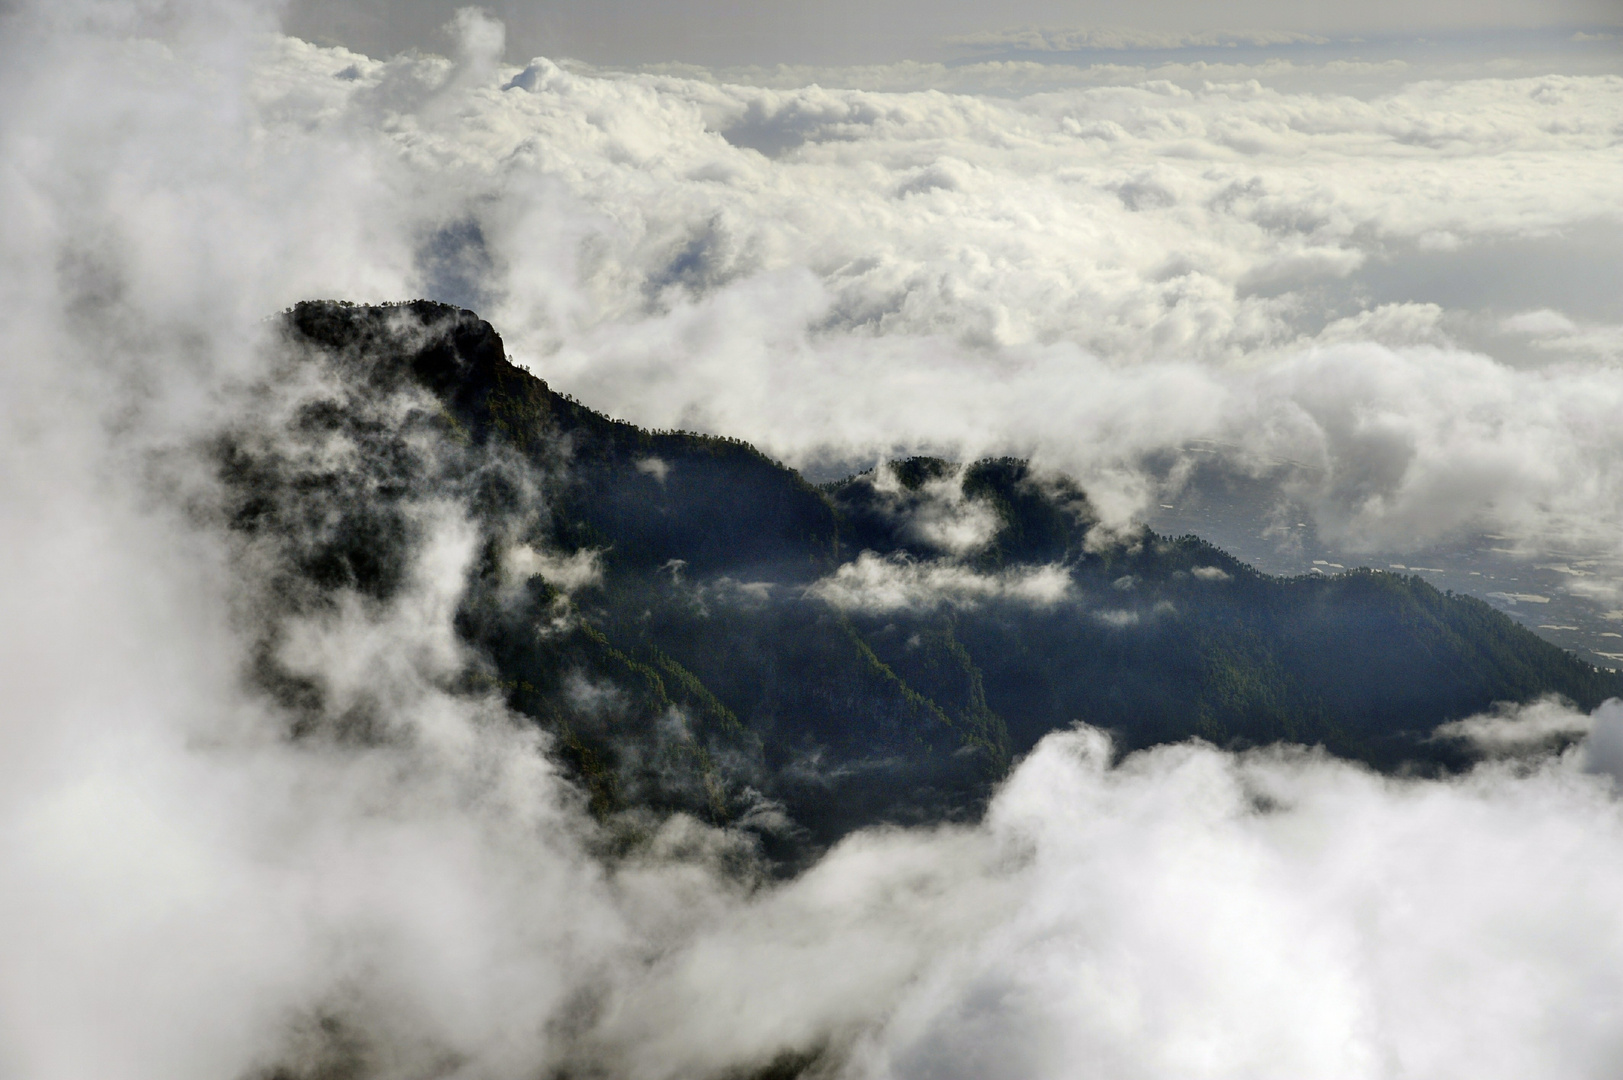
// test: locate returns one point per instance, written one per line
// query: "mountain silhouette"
(700, 629)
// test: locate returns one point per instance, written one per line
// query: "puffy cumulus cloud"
(878, 583)
(1094, 276)
(1276, 914)
(1069, 220)
(1408, 445)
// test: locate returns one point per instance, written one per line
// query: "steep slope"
(703, 630)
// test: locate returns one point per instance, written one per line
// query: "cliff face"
(701, 629)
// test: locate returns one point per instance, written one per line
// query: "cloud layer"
(186, 891)
(847, 32)
(1092, 276)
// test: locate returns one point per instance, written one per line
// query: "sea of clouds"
(1092, 276)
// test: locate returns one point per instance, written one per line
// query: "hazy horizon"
(728, 34)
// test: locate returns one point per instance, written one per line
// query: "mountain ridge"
(703, 630)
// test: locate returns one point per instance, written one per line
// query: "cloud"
(1520, 598)
(1090, 273)
(193, 889)
(1601, 590)
(935, 513)
(375, 870)
(1603, 750)
(1537, 728)
(567, 573)
(877, 584)
(1076, 39)
(656, 467)
(1192, 913)
(1005, 338)
(1541, 322)
(1552, 330)
(1521, 729)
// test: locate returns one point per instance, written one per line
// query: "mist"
(391, 876)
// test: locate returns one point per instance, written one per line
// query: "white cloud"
(187, 893)
(936, 514)
(1089, 302)
(1520, 729)
(874, 583)
(1276, 915)
(1554, 331)
(656, 467)
(1071, 39)
(1603, 750)
(1159, 274)
(1517, 598)
(1602, 590)
(567, 573)
(1541, 323)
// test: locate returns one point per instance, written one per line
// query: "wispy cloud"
(1552, 330)
(877, 584)
(1118, 38)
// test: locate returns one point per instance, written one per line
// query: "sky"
(847, 32)
(1361, 294)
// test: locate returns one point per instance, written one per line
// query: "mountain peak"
(701, 629)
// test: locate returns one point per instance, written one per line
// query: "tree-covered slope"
(701, 629)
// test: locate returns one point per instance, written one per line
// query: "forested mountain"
(702, 629)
